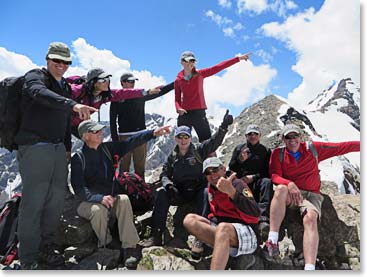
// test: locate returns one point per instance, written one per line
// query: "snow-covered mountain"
(334, 115)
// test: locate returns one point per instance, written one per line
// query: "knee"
(190, 220)
(99, 211)
(223, 229)
(310, 219)
(123, 198)
(281, 192)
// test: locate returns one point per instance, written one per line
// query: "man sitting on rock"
(92, 180)
(250, 160)
(184, 183)
(294, 170)
(232, 224)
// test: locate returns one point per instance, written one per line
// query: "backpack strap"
(309, 145)
(81, 158)
(107, 152)
(281, 155)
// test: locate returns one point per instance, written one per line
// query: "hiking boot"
(264, 229)
(128, 258)
(197, 249)
(29, 266)
(49, 255)
(272, 250)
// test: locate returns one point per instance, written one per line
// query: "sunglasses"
(183, 136)
(252, 134)
(94, 132)
(60, 61)
(130, 81)
(210, 171)
(291, 136)
(103, 80)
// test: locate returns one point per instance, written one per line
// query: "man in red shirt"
(232, 224)
(189, 92)
(294, 170)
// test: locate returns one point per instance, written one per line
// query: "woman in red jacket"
(189, 92)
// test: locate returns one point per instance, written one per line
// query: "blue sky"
(299, 47)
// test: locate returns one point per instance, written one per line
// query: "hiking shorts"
(311, 201)
(247, 241)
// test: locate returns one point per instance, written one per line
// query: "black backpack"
(10, 115)
(8, 229)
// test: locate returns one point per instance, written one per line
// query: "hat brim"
(212, 165)
(182, 132)
(131, 79)
(98, 127)
(104, 75)
(59, 57)
(252, 131)
(187, 59)
(291, 131)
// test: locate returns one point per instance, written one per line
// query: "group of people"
(230, 205)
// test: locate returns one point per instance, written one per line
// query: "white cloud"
(13, 64)
(225, 3)
(227, 25)
(228, 32)
(256, 6)
(327, 45)
(265, 56)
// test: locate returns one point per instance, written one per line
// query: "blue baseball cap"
(183, 130)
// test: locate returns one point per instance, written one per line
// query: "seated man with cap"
(96, 91)
(92, 174)
(250, 160)
(231, 227)
(183, 181)
(295, 172)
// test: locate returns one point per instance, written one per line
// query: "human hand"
(108, 201)
(225, 185)
(245, 154)
(294, 194)
(165, 130)
(84, 111)
(181, 111)
(155, 90)
(227, 120)
(245, 56)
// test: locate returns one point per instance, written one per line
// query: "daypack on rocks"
(8, 230)
(10, 116)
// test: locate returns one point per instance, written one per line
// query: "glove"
(227, 120)
(171, 190)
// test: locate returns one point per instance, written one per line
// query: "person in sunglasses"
(184, 183)
(44, 144)
(96, 91)
(130, 116)
(295, 172)
(189, 92)
(250, 160)
(92, 173)
(231, 226)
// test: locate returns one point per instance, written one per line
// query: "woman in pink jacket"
(95, 91)
(189, 92)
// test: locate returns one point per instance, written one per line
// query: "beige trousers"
(98, 216)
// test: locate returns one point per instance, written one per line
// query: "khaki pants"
(139, 155)
(98, 216)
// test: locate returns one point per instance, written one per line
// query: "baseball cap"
(60, 51)
(252, 128)
(183, 130)
(211, 162)
(97, 73)
(127, 77)
(290, 128)
(188, 56)
(89, 125)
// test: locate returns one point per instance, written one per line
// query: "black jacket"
(185, 172)
(257, 163)
(45, 109)
(96, 180)
(130, 114)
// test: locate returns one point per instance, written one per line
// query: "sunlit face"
(188, 66)
(57, 68)
(93, 137)
(128, 84)
(253, 138)
(292, 141)
(213, 174)
(183, 141)
(101, 85)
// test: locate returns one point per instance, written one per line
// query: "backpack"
(309, 145)
(8, 229)
(139, 192)
(10, 115)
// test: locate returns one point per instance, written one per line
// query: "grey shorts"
(247, 242)
(311, 201)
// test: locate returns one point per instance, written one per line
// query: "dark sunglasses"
(252, 134)
(210, 171)
(94, 132)
(130, 81)
(183, 136)
(60, 61)
(103, 80)
(291, 136)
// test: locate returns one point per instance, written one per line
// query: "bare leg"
(200, 227)
(225, 237)
(278, 207)
(310, 237)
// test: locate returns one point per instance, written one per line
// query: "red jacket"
(189, 94)
(243, 208)
(305, 172)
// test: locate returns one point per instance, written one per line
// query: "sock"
(273, 237)
(309, 267)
